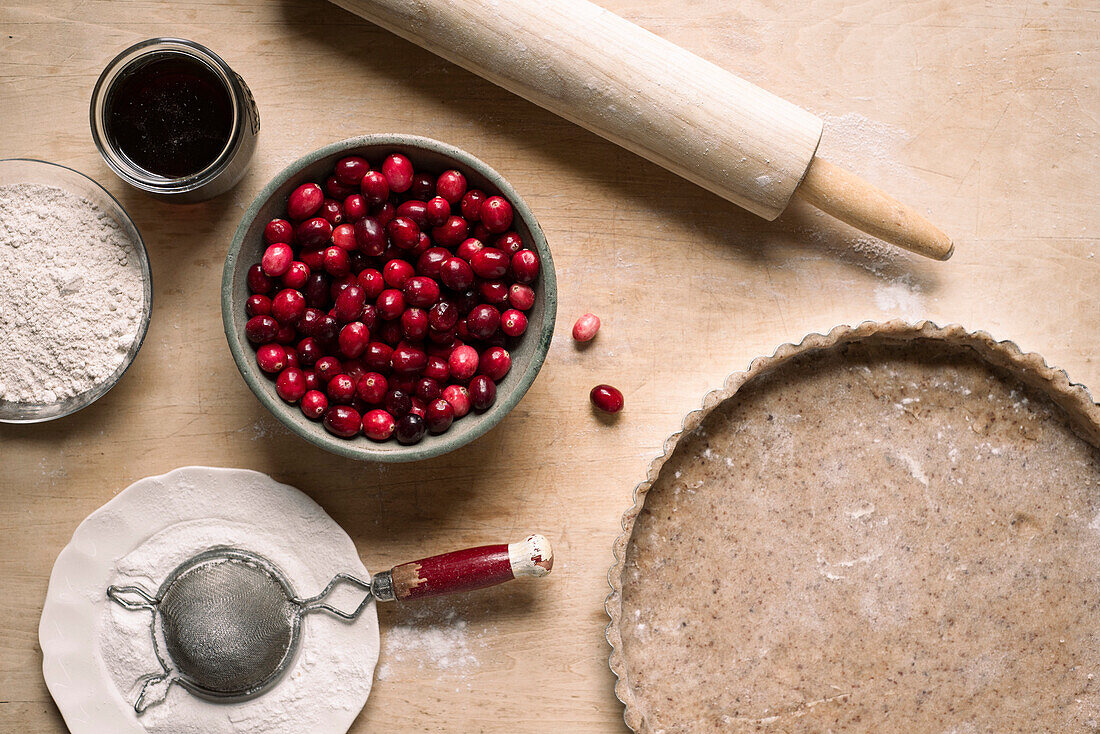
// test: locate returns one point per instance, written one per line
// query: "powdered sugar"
(430, 639)
(71, 301)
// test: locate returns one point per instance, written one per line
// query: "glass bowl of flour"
(77, 293)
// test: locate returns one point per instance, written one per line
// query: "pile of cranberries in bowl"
(387, 299)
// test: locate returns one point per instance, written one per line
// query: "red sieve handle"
(465, 570)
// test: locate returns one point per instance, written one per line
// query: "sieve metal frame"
(171, 674)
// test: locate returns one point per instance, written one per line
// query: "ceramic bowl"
(430, 156)
(25, 170)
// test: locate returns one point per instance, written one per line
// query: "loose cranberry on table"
(387, 299)
(586, 327)
(607, 398)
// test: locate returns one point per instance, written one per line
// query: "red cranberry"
(261, 329)
(271, 358)
(378, 425)
(410, 429)
(423, 187)
(403, 233)
(606, 398)
(463, 363)
(414, 324)
(390, 331)
(397, 403)
(291, 384)
(489, 263)
(257, 305)
(437, 369)
(349, 304)
(390, 304)
(343, 236)
(471, 205)
(278, 230)
(525, 266)
(431, 261)
(510, 242)
(493, 291)
(342, 421)
(355, 207)
(313, 257)
(408, 360)
(481, 232)
(398, 171)
(257, 280)
(313, 232)
(318, 291)
(421, 291)
(286, 334)
(427, 389)
(377, 357)
(327, 368)
(309, 351)
(451, 185)
(513, 323)
(340, 389)
(350, 171)
(291, 355)
(439, 416)
(404, 383)
(372, 388)
(304, 201)
(276, 260)
(483, 321)
(456, 274)
(437, 211)
(384, 213)
(288, 306)
(337, 262)
(443, 316)
(375, 188)
(372, 283)
(459, 398)
(337, 190)
(414, 210)
(521, 296)
(469, 247)
(297, 276)
(314, 404)
(371, 236)
(397, 272)
(314, 382)
(495, 363)
(354, 338)
(451, 232)
(586, 327)
(354, 369)
(483, 392)
(496, 214)
(332, 212)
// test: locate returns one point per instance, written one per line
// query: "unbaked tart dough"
(886, 528)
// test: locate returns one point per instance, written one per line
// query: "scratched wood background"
(984, 113)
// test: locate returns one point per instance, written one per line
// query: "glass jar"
(225, 170)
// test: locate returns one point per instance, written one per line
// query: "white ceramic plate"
(138, 538)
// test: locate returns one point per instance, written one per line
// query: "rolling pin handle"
(465, 570)
(855, 202)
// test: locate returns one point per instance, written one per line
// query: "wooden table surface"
(984, 114)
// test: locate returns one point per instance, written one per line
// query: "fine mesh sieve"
(225, 624)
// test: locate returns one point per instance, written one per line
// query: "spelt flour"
(70, 294)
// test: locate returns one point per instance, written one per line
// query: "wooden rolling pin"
(656, 99)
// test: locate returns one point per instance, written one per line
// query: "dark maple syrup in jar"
(171, 116)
